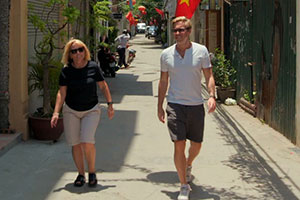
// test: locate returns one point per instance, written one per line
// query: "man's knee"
(179, 145)
(196, 145)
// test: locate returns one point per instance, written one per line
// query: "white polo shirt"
(123, 39)
(185, 73)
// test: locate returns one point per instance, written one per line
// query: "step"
(7, 141)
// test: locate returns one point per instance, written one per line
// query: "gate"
(268, 67)
(241, 45)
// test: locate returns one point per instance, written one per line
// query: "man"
(122, 40)
(182, 64)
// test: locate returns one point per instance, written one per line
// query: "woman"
(78, 90)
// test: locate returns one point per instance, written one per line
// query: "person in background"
(182, 64)
(104, 58)
(81, 110)
(121, 49)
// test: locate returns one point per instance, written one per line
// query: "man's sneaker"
(184, 192)
(189, 174)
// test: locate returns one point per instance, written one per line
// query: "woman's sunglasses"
(74, 51)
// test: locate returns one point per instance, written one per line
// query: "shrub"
(224, 72)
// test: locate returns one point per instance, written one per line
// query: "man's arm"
(162, 89)
(117, 39)
(210, 84)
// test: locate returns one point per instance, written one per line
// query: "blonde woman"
(78, 96)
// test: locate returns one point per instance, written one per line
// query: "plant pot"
(41, 128)
(224, 93)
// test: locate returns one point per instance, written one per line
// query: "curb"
(7, 141)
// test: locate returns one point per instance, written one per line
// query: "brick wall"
(4, 65)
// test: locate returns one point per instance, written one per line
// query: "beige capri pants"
(80, 126)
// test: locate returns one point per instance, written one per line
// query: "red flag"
(130, 18)
(186, 8)
(160, 12)
(133, 2)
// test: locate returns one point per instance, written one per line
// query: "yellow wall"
(18, 86)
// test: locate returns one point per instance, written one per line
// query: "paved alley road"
(241, 158)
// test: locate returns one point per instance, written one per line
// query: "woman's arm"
(105, 90)
(60, 99)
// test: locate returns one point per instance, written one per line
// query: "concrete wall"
(18, 85)
(4, 70)
(297, 121)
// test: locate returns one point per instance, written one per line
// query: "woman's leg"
(90, 156)
(72, 134)
(78, 158)
(89, 124)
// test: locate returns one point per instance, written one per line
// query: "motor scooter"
(108, 62)
(131, 56)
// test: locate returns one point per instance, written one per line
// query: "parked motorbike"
(108, 62)
(131, 56)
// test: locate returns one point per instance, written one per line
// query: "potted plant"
(39, 120)
(44, 69)
(224, 74)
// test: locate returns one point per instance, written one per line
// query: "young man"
(182, 63)
(122, 40)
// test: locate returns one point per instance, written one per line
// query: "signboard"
(117, 15)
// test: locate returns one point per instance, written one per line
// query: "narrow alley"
(241, 158)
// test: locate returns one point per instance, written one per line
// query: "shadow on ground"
(252, 167)
(198, 192)
(127, 84)
(84, 189)
(113, 140)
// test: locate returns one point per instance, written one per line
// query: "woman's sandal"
(80, 181)
(92, 180)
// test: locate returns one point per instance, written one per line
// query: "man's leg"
(124, 58)
(194, 150)
(180, 160)
(119, 50)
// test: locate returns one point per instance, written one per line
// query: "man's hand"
(211, 104)
(161, 114)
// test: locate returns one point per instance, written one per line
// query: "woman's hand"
(110, 112)
(54, 120)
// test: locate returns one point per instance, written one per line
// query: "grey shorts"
(185, 122)
(80, 126)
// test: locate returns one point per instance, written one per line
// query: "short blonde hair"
(186, 21)
(66, 55)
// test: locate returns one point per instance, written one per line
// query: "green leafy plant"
(224, 72)
(250, 98)
(49, 31)
(36, 82)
